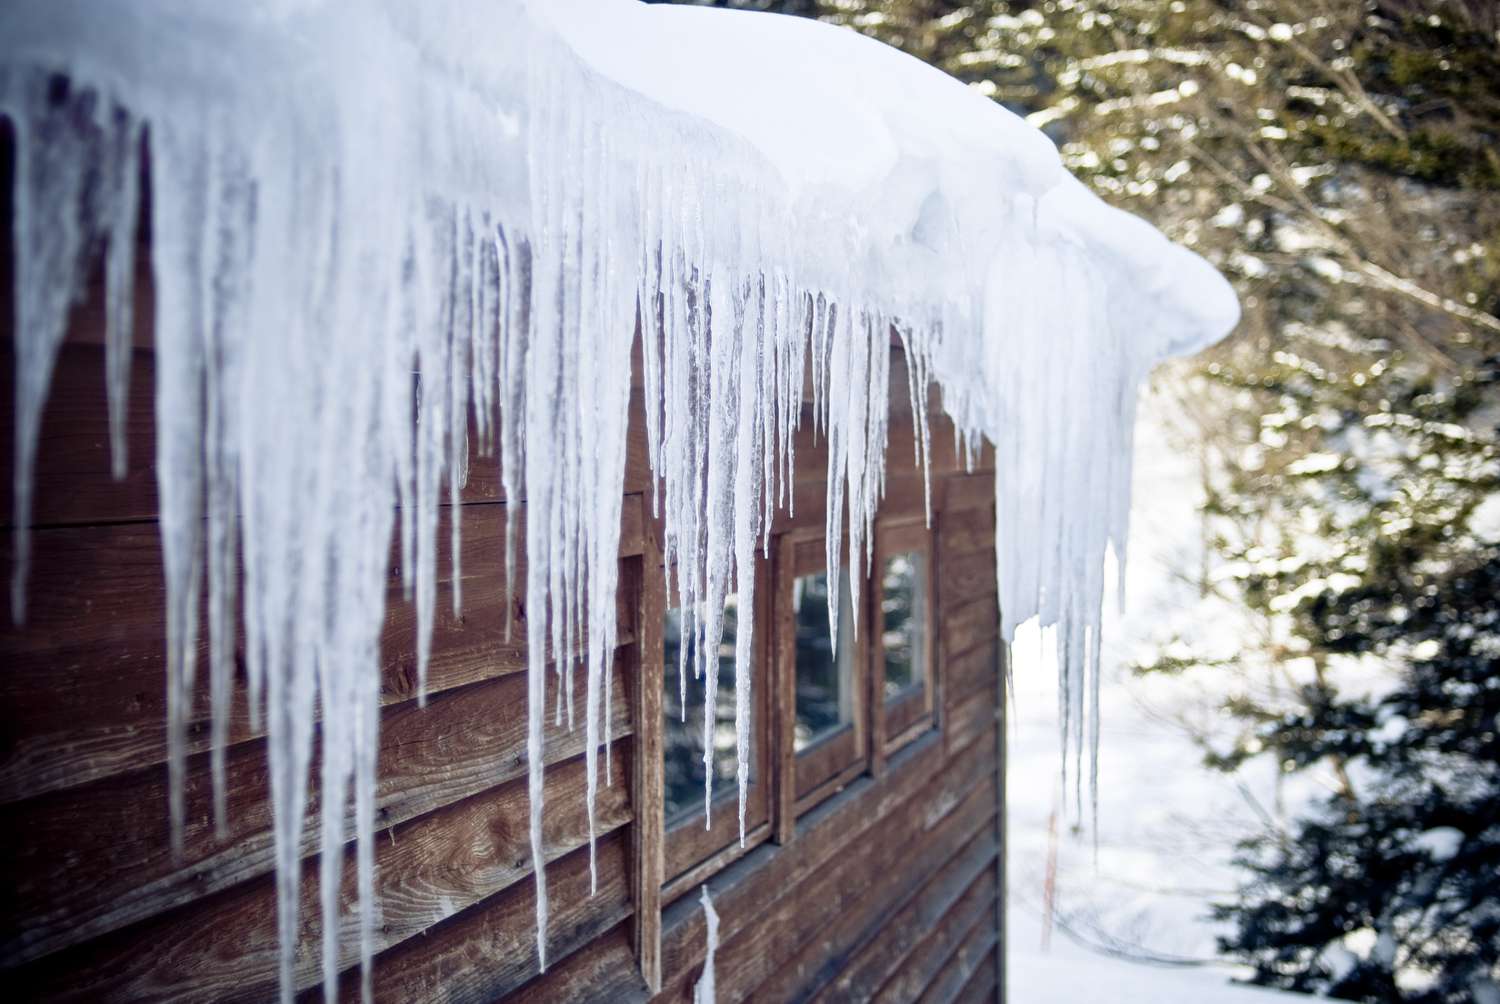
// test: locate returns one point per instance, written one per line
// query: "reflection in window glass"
(825, 682)
(903, 613)
(683, 740)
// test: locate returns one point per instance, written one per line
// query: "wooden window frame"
(690, 851)
(827, 766)
(898, 720)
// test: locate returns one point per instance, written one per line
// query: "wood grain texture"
(934, 962)
(603, 970)
(973, 953)
(969, 490)
(966, 622)
(118, 868)
(966, 575)
(967, 529)
(483, 953)
(882, 949)
(427, 870)
(95, 632)
(833, 913)
(820, 936)
(973, 671)
(648, 836)
(984, 984)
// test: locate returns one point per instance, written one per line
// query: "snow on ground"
(1071, 975)
(1166, 824)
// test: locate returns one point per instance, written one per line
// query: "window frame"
(691, 852)
(827, 766)
(903, 717)
(786, 783)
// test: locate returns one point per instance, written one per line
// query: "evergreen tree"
(1339, 164)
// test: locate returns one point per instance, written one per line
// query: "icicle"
(536, 697)
(180, 173)
(835, 401)
(749, 470)
(123, 164)
(515, 271)
(50, 161)
(227, 220)
(703, 990)
(353, 262)
(460, 338)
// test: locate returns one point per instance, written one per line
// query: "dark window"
(905, 612)
(904, 621)
(683, 742)
(693, 850)
(828, 684)
(825, 676)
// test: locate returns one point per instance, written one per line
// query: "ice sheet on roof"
(497, 195)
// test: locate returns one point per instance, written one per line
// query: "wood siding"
(887, 890)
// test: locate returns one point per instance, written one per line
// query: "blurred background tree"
(1339, 160)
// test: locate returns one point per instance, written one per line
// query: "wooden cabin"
(872, 866)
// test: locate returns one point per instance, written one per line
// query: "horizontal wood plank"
(603, 970)
(941, 962)
(882, 949)
(982, 984)
(119, 868)
(967, 575)
(489, 950)
(976, 949)
(965, 622)
(971, 672)
(968, 490)
(74, 484)
(974, 719)
(965, 530)
(98, 595)
(426, 870)
(800, 940)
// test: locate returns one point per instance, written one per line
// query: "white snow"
(490, 197)
(1142, 876)
(1440, 843)
(1068, 974)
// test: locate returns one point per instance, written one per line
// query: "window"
(683, 776)
(905, 607)
(903, 584)
(692, 851)
(823, 713)
(823, 703)
(825, 678)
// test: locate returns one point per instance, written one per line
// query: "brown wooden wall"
(887, 890)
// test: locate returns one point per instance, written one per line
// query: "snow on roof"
(487, 192)
(885, 136)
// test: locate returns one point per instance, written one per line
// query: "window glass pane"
(825, 681)
(904, 613)
(683, 740)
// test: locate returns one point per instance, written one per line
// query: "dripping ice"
(504, 202)
(703, 990)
